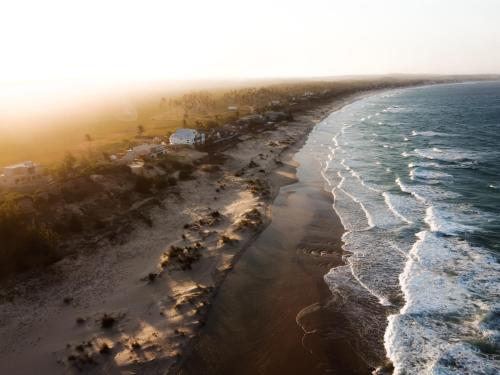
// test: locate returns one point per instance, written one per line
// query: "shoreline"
(290, 166)
(282, 333)
(153, 320)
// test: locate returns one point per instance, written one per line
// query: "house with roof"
(186, 136)
(21, 174)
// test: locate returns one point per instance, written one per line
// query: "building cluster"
(25, 173)
(30, 174)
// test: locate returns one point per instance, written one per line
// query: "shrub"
(67, 167)
(107, 321)
(104, 349)
(162, 182)
(185, 256)
(143, 185)
(25, 244)
(185, 174)
(75, 224)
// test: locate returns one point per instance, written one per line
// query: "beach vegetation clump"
(135, 345)
(105, 349)
(251, 219)
(184, 256)
(256, 186)
(253, 164)
(107, 321)
(67, 300)
(227, 240)
(163, 182)
(143, 185)
(185, 174)
(152, 277)
(215, 214)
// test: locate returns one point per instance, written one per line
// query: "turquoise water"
(415, 174)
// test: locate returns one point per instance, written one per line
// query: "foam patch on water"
(448, 155)
(429, 175)
(445, 222)
(426, 193)
(431, 134)
(450, 288)
(401, 207)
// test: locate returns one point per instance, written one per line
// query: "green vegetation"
(26, 244)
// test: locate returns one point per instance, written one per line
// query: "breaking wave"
(420, 222)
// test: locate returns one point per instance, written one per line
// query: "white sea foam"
(430, 134)
(394, 201)
(425, 164)
(439, 220)
(426, 193)
(426, 174)
(448, 155)
(449, 288)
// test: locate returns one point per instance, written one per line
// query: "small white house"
(25, 173)
(232, 108)
(187, 137)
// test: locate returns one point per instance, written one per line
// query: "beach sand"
(102, 312)
(274, 314)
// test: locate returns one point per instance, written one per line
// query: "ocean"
(415, 176)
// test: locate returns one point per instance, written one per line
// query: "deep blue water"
(415, 174)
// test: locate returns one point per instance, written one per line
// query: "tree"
(68, 165)
(140, 130)
(89, 140)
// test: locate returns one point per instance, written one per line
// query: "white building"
(232, 108)
(187, 137)
(25, 173)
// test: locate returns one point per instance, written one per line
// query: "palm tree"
(89, 139)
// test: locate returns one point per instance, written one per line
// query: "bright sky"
(62, 55)
(145, 39)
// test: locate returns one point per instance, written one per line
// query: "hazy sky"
(47, 39)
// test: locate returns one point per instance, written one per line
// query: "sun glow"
(55, 52)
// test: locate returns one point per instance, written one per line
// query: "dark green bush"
(143, 185)
(75, 224)
(25, 244)
(162, 182)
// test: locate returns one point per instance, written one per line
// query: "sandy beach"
(275, 314)
(117, 309)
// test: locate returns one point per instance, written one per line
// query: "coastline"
(275, 313)
(152, 329)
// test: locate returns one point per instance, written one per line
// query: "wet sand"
(276, 293)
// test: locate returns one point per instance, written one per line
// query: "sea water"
(415, 175)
